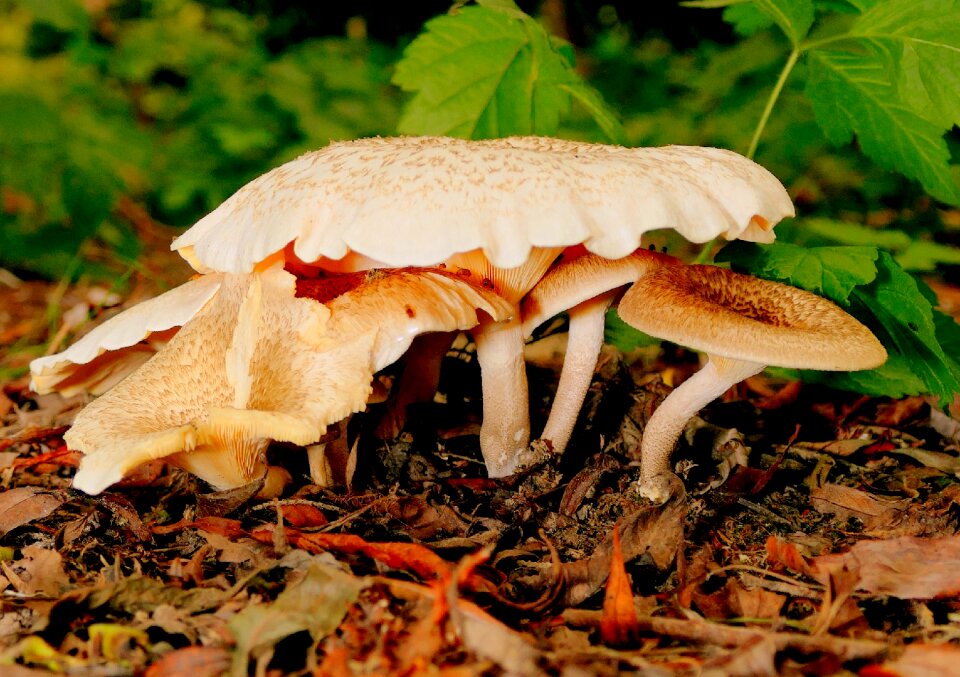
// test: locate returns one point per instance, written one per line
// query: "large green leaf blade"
(833, 272)
(923, 39)
(853, 93)
(490, 71)
(896, 306)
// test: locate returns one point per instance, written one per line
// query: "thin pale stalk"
(665, 425)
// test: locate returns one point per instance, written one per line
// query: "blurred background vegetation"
(122, 121)
(117, 111)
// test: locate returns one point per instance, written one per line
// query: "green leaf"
(746, 19)
(621, 335)
(908, 330)
(833, 272)
(910, 253)
(893, 79)
(793, 16)
(923, 40)
(877, 291)
(924, 255)
(486, 72)
(852, 93)
(855, 234)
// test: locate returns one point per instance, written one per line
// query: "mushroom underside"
(260, 363)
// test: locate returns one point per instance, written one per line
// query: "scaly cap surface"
(419, 200)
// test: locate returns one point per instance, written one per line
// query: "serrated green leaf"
(746, 19)
(793, 16)
(948, 334)
(594, 104)
(894, 379)
(903, 310)
(832, 272)
(923, 40)
(887, 299)
(485, 72)
(852, 93)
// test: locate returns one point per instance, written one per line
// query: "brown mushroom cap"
(419, 200)
(727, 314)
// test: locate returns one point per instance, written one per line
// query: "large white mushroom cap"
(419, 200)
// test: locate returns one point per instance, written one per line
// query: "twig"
(713, 633)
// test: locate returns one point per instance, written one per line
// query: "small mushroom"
(500, 211)
(262, 358)
(743, 324)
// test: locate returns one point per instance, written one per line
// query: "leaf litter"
(817, 535)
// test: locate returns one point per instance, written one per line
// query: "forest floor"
(816, 535)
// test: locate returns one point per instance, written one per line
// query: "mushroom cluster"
(306, 291)
(742, 323)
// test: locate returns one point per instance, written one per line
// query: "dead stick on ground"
(712, 633)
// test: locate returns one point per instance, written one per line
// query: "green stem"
(707, 251)
(774, 95)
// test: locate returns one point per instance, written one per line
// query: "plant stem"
(707, 249)
(774, 95)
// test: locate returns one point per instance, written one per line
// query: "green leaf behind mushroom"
(489, 70)
(869, 284)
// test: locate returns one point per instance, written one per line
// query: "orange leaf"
(197, 661)
(618, 625)
(782, 552)
(410, 556)
(222, 526)
(302, 516)
(61, 456)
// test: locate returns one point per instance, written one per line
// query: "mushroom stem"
(328, 460)
(584, 339)
(505, 432)
(418, 381)
(665, 425)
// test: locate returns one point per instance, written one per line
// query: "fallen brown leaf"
(919, 660)
(22, 505)
(907, 567)
(38, 572)
(846, 502)
(654, 530)
(302, 515)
